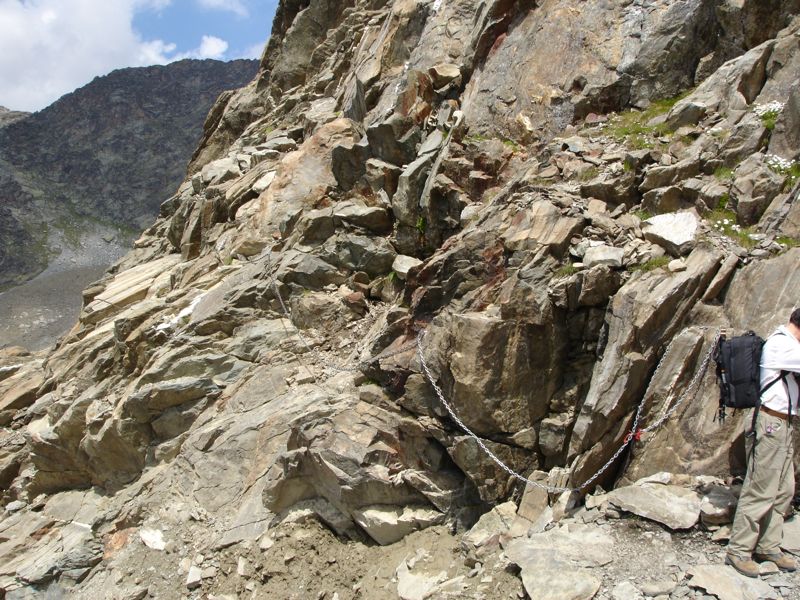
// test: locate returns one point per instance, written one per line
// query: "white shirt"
(781, 353)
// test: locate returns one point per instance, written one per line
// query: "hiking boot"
(783, 562)
(745, 566)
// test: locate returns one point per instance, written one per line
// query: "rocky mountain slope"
(423, 218)
(110, 152)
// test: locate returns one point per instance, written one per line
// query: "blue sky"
(51, 47)
(243, 24)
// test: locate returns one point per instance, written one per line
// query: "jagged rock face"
(110, 151)
(255, 357)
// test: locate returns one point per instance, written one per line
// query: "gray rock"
(754, 187)
(405, 202)
(15, 505)
(541, 225)
(387, 525)
(373, 218)
(280, 143)
(555, 564)
(688, 113)
(785, 140)
(675, 232)
(718, 505)
(603, 255)
(615, 190)
(403, 264)
(394, 140)
(491, 525)
(382, 175)
(626, 591)
(726, 584)
(661, 587)
(349, 162)
(308, 271)
(634, 332)
(194, 579)
(663, 176)
(372, 255)
(220, 171)
(748, 136)
(664, 200)
(444, 73)
(674, 506)
(353, 103)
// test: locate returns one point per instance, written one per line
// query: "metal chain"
(633, 435)
(691, 389)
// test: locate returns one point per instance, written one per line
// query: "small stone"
(195, 577)
(403, 264)
(153, 538)
(266, 543)
(676, 266)
(209, 573)
(768, 568)
(723, 534)
(243, 568)
(185, 565)
(626, 591)
(15, 506)
(658, 588)
(680, 591)
(548, 172)
(603, 255)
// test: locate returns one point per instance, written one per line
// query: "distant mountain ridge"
(110, 151)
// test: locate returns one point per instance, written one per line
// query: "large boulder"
(647, 311)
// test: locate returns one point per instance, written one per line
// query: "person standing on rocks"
(768, 487)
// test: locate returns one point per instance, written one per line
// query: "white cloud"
(234, 6)
(210, 47)
(51, 47)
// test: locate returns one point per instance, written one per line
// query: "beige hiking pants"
(768, 488)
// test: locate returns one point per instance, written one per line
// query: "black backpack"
(739, 373)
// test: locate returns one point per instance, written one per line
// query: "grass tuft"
(650, 265)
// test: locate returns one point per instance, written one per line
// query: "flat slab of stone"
(672, 505)
(726, 584)
(541, 225)
(388, 524)
(556, 564)
(603, 255)
(675, 232)
(126, 288)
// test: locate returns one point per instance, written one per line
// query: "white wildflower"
(773, 108)
(779, 164)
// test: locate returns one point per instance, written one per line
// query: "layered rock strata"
(567, 236)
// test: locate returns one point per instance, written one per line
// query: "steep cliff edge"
(110, 152)
(540, 214)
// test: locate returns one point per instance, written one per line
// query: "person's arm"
(782, 353)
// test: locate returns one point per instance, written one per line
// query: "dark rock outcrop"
(111, 151)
